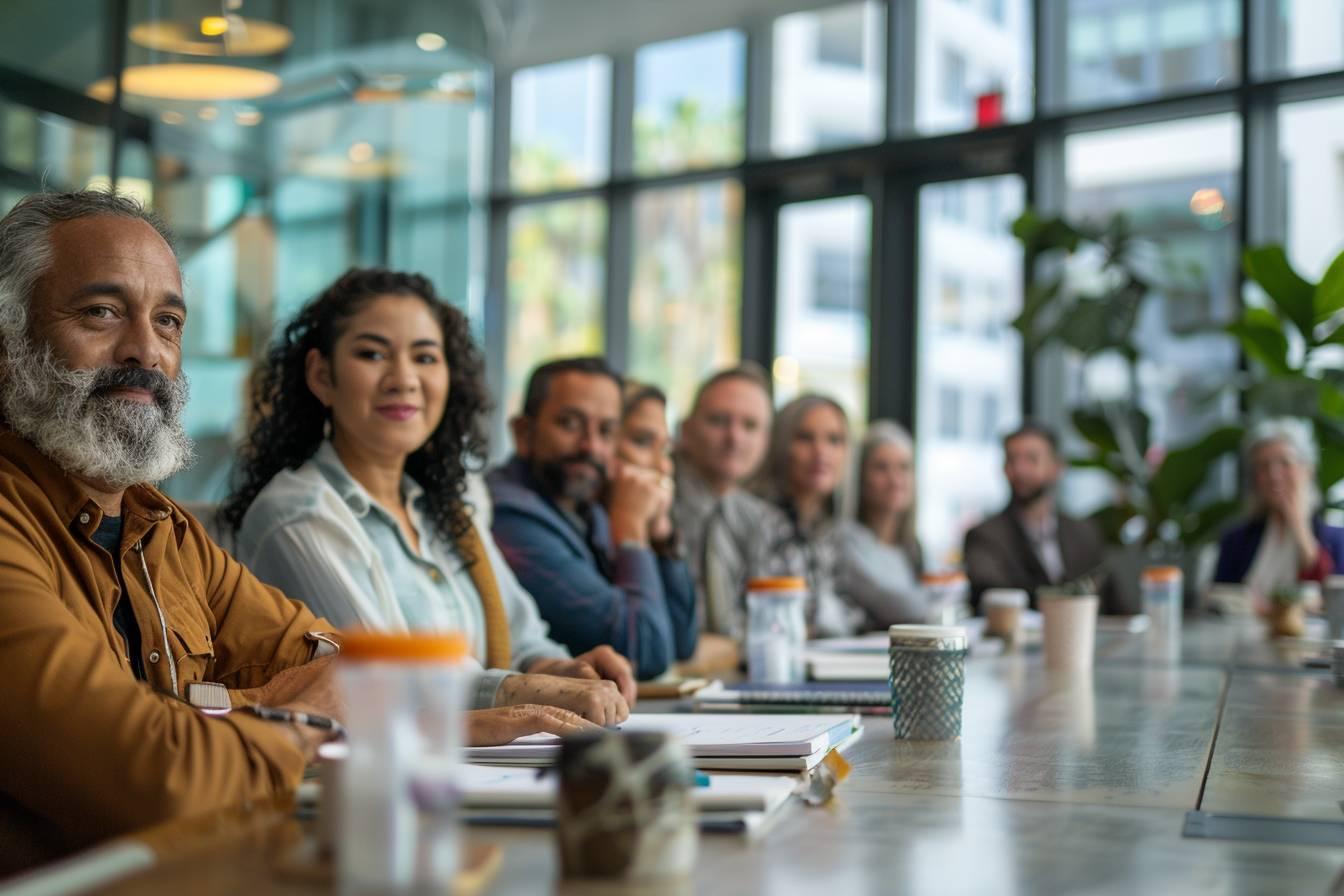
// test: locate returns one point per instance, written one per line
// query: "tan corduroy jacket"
(86, 751)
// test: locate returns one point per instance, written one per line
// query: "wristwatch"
(210, 697)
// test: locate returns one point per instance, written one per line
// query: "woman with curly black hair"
(349, 493)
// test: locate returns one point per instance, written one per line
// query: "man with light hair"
(1284, 541)
(729, 534)
(116, 609)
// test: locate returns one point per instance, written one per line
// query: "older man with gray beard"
(116, 609)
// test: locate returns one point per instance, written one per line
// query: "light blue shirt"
(317, 535)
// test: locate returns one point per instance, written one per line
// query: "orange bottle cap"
(778, 583)
(362, 645)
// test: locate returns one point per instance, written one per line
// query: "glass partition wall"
(283, 142)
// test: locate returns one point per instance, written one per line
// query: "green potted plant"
(1161, 501)
(1290, 337)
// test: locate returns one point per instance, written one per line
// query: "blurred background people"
(1030, 543)
(804, 470)
(728, 532)
(1284, 541)
(880, 560)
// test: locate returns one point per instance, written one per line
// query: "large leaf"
(1331, 400)
(1184, 470)
(1039, 234)
(1101, 323)
(1096, 429)
(1112, 518)
(1207, 522)
(1329, 298)
(1262, 338)
(1294, 297)
(1330, 467)
(1040, 296)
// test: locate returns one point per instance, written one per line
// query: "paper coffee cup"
(1070, 631)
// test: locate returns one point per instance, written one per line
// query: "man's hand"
(634, 497)
(599, 663)
(597, 701)
(491, 727)
(309, 688)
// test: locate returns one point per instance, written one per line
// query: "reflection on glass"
(1311, 150)
(685, 298)
(1176, 182)
(555, 284)
(1120, 50)
(689, 102)
(966, 51)
(1305, 36)
(969, 375)
(821, 302)
(560, 123)
(828, 78)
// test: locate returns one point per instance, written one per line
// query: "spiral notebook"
(812, 693)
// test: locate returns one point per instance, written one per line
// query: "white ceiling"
(530, 32)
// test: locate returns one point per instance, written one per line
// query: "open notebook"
(717, 741)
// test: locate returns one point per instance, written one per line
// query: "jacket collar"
(72, 504)
(514, 487)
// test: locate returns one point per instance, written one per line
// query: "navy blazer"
(639, 602)
(1236, 550)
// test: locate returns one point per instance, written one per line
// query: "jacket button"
(83, 519)
(153, 656)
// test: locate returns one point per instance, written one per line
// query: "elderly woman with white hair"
(880, 557)
(1284, 541)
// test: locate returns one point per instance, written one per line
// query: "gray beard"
(111, 441)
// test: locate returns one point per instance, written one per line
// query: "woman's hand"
(502, 725)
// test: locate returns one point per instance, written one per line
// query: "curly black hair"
(288, 420)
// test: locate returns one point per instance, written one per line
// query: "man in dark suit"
(1030, 543)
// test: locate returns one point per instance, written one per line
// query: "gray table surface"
(1076, 784)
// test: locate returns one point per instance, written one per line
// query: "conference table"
(1221, 772)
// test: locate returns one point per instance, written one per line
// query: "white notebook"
(494, 787)
(709, 737)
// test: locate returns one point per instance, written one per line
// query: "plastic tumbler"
(1163, 602)
(928, 680)
(776, 629)
(396, 829)
(1334, 606)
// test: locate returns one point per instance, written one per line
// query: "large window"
(973, 59)
(686, 297)
(821, 304)
(560, 130)
(827, 79)
(1311, 164)
(555, 284)
(689, 102)
(1305, 36)
(1176, 183)
(969, 375)
(1121, 50)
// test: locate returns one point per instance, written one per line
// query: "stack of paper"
(788, 743)
(869, 697)
(496, 795)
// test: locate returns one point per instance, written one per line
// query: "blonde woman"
(880, 558)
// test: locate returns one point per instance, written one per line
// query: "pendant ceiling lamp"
(199, 51)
